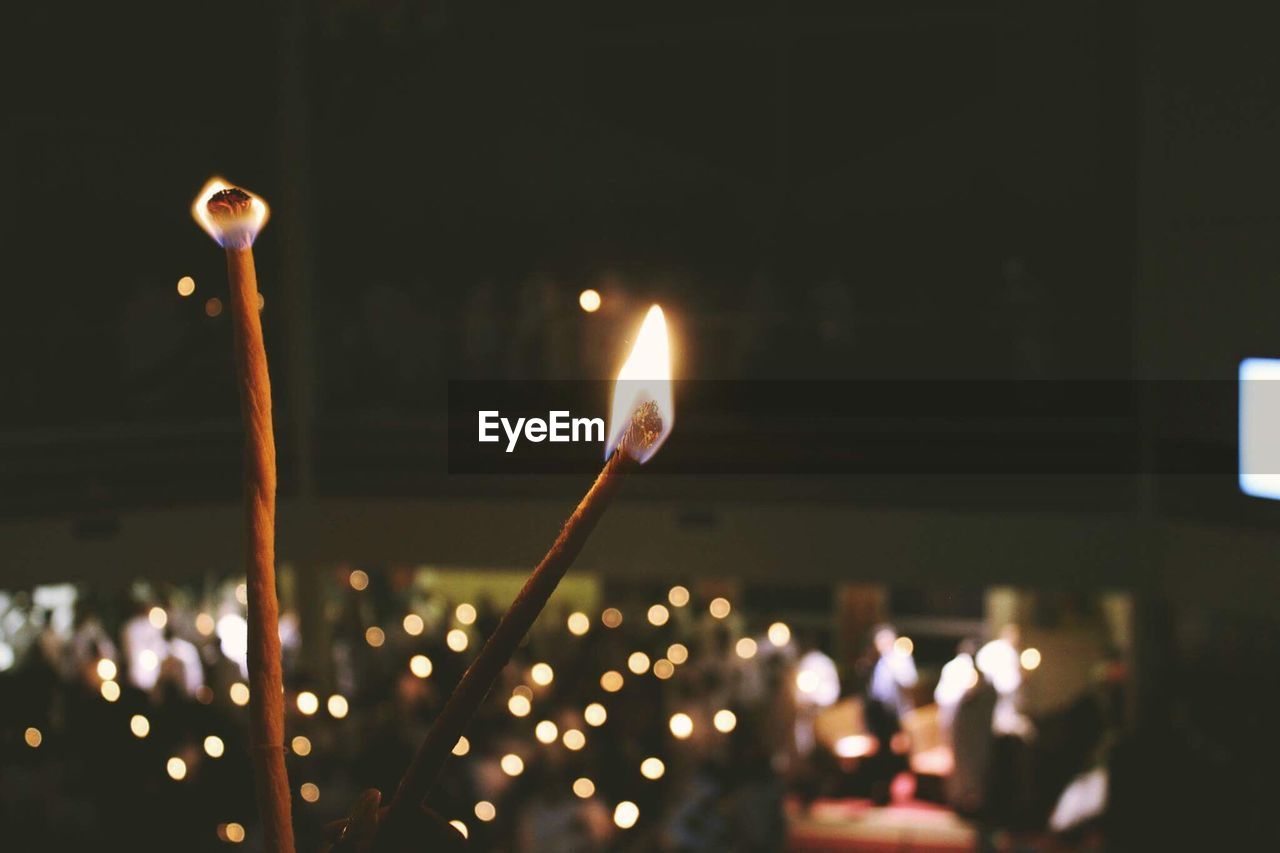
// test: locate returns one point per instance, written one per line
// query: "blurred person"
(184, 658)
(817, 686)
(1000, 663)
(959, 675)
(144, 648)
(887, 700)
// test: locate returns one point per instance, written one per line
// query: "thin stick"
(266, 694)
(429, 761)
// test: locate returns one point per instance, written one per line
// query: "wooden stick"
(266, 682)
(424, 770)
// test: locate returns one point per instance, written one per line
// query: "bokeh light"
(658, 615)
(176, 768)
(546, 732)
(652, 768)
(589, 300)
(779, 634)
(638, 663)
(308, 703)
(465, 613)
(456, 640)
(413, 624)
(33, 737)
(420, 665)
(595, 714)
(626, 814)
(239, 693)
(583, 787)
(678, 596)
(725, 721)
(574, 740)
(611, 617)
(301, 745)
(719, 607)
(485, 811)
(186, 286)
(542, 674)
(139, 725)
(746, 648)
(611, 681)
(462, 747)
(213, 746)
(519, 706)
(338, 706)
(359, 580)
(677, 653)
(512, 764)
(1030, 658)
(579, 623)
(681, 725)
(309, 791)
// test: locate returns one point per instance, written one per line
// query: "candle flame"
(229, 231)
(644, 379)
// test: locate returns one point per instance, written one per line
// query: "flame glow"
(644, 378)
(244, 230)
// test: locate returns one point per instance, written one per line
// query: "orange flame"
(644, 378)
(238, 233)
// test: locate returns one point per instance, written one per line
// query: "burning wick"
(639, 429)
(233, 217)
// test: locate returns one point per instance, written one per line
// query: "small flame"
(645, 378)
(238, 233)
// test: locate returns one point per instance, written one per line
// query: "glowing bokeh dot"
(205, 624)
(456, 640)
(309, 791)
(420, 665)
(678, 596)
(213, 746)
(626, 814)
(652, 768)
(719, 607)
(611, 681)
(301, 745)
(583, 787)
(239, 693)
(595, 714)
(462, 747)
(106, 669)
(413, 624)
(579, 624)
(546, 732)
(611, 617)
(746, 648)
(904, 646)
(638, 663)
(658, 615)
(213, 307)
(589, 300)
(663, 669)
(308, 703)
(681, 725)
(375, 637)
(460, 826)
(110, 691)
(677, 653)
(242, 593)
(485, 811)
(1030, 659)
(542, 674)
(465, 613)
(779, 634)
(512, 764)
(186, 286)
(574, 740)
(233, 832)
(176, 768)
(338, 706)
(519, 706)
(139, 725)
(725, 720)
(33, 737)
(359, 580)
(157, 617)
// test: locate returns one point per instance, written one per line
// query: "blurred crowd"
(670, 721)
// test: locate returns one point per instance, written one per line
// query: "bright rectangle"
(1260, 427)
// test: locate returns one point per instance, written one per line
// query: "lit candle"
(640, 420)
